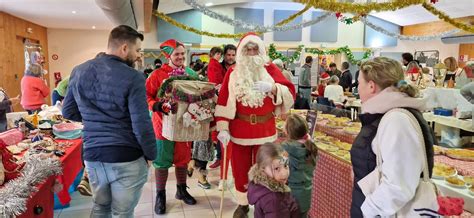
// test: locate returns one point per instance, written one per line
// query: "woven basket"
(173, 125)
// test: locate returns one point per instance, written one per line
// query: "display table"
(44, 198)
(333, 180)
(450, 121)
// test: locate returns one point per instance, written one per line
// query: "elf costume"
(250, 126)
(168, 152)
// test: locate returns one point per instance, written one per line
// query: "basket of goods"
(461, 154)
(192, 103)
(441, 171)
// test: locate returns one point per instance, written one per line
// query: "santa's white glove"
(224, 137)
(262, 86)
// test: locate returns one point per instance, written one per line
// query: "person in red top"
(215, 71)
(322, 84)
(33, 89)
(169, 152)
(252, 94)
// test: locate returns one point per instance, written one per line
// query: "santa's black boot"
(160, 204)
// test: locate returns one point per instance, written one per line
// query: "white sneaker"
(221, 185)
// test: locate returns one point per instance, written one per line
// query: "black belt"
(304, 87)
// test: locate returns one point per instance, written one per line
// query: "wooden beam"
(147, 14)
(434, 27)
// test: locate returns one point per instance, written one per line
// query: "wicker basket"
(173, 125)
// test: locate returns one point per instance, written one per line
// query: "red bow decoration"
(434, 1)
(338, 15)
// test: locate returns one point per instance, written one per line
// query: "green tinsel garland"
(274, 54)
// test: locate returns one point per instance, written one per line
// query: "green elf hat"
(169, 46)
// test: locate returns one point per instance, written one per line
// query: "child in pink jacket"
(33, 89)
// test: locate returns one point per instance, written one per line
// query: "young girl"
(302, 154)
(267, 189)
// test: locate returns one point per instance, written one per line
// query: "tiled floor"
(208, 201)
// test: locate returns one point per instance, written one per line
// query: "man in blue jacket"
(108, 96)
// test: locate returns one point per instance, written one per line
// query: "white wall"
(73, 48)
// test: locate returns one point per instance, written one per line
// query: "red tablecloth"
(332, 187)
(72, 165)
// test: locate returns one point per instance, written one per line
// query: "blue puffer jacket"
(109, 98)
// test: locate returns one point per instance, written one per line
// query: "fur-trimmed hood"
(258, 177)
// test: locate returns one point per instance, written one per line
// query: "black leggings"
(201, 165)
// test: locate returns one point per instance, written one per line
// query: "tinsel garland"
(166, 85)
(190, 98)
(262, 29)
(16, 193)
(281, 26)
(274, 54)
(345, 7)
(441, 15)
(407, 37)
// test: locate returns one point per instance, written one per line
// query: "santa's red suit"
(248, 126)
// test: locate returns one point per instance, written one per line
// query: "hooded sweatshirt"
(401, 152)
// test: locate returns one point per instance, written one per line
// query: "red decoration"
(55, 57)
(434, 1)
(338, 15)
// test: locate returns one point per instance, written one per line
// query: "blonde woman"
(382, 88)
(452, 68)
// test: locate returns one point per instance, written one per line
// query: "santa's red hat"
(325, 76)
(168, 46)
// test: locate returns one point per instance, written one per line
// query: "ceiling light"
(93, 27)
(74, 12)
(209, 4)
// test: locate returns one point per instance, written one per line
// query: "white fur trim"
(251, 38)
(255, 141)
(241, 198)
(283, 100)
(222, 125)
(228, 111)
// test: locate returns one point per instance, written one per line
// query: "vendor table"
(466, 124)
(333, 180)
(72, 165)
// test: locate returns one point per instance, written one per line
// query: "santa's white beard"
(250, 69)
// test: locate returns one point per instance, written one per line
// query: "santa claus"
(252, 94)
(169, 152)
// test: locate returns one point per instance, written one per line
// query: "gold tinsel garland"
(345, 7)
(447, 19)
(172, 21)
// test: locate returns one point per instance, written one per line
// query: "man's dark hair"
(123, 34)
(215, 50)
(332, 64)
(407, 57)
(229, 47)
(158, 61)
(345, 65)
(100, 54)
(309, 59)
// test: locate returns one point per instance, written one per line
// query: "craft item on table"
(443, 112)
(16, 193)
(9, 169)
(11, 137)
(68, 130)
(449, 206)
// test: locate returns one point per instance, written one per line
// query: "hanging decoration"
(16, 193)
(433, 1)
(441, 15)
(151, 54)
(274, 54)
(347, 20)
(345, 7)
(406, 37)
(281, 26)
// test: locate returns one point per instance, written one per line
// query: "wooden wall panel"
(466, 49)
(13, 31)
(433, 27)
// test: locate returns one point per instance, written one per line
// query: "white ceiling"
(58, 13)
